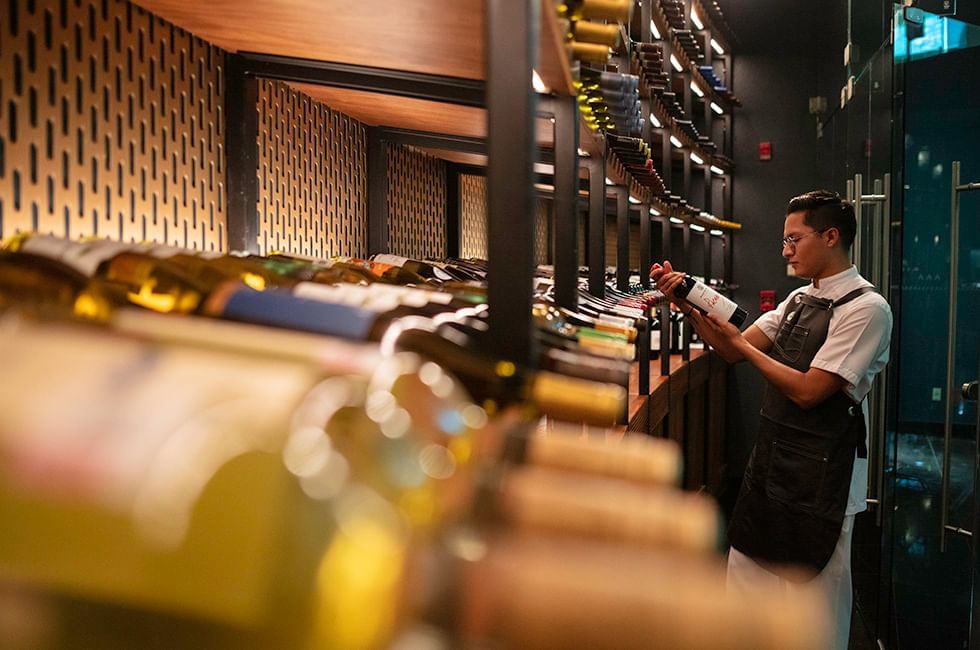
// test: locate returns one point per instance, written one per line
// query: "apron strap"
(848, 297)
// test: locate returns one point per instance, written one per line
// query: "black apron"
(791, 505)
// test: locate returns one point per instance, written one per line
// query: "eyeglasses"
(791, 240)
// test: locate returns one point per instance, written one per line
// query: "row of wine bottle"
(588, 40)
(95, 278)
(189, 481)
(634, 154)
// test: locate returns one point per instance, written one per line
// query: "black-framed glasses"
(791, 240)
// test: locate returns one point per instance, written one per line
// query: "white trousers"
(833, 583)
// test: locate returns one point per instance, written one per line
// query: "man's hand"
(724, 337)
(667, 280)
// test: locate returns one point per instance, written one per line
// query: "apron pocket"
(796, 474)
(790, 340)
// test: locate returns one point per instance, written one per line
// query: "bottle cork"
(535, 591)
(537, 498)
(633, 457)
(577, 400)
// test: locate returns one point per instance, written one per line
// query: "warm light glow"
(655, 122)
(696, 227)
(677, 64)
(696, 90)
(718, 170)
(609, 182)
(696, 19)
(717, 47)
(696, 159)
(677, 143)
(537, 83)
(583, 153)
(654, 212)
(654, 30)
(717, 109)
(634, 200)
(716, 232)
(676, 220)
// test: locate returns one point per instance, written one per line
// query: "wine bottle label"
(145, 430)
(708, 300)
(84, 257)
(385, 258)
(616, 320)
(163, 251)
(280, 308)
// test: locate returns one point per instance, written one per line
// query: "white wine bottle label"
(385, 258)
(616, 320)
(84, 257)
(708, 300)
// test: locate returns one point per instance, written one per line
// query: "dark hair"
(823, 210)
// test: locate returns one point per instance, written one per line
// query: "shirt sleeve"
(856, 342)
(769, 321)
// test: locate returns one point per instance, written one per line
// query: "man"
(819, 352)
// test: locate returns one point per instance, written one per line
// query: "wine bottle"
(612, 10)
(589, 52)
(498, 383)
(709, 301)
(589, 32)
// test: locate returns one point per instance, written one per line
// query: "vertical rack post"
(645, 245)
(686, 342)
(596, 247)
(377, 199)
(566, 201)
(622, 237)
(241, 141)
(511, 46)
(454, 216)
(665, 308)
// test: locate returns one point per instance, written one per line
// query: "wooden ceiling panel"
(431, 36)
(374, 109)
(442, 37)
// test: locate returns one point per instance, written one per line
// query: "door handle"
(970, 390)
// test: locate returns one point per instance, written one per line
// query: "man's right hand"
(667, 280)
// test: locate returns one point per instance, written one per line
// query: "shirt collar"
(835, 283)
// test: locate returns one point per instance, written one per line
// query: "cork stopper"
(632, 457)
(545, 592)
(537, 498)
(577, 400)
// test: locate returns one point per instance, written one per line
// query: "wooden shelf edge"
(553, 65)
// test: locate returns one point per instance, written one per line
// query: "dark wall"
(786, 52)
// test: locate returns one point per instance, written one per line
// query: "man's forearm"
(789, 381)
(726, 352)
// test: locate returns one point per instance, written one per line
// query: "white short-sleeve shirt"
(856, 349)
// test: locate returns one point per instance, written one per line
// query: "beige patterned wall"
(542, 231)
(611, 230)
(111, 124)
(473, 204)
(312, 176)
(416, 203)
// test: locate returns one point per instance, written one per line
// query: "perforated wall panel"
(611, 232)
(473, 205)
(542, 231)
(111, 124)
(416, 203)
(312, 176)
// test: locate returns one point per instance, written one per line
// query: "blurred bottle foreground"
(176, 481)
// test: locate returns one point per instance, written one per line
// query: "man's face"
(809, 252)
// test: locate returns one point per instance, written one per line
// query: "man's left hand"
(719, 334)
